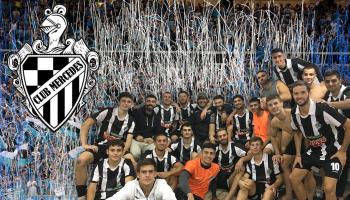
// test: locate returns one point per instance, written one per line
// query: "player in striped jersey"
(262, 175)
(338, 96)
(167, 165)
(290, 70)
(110, 174)
(242, 122)
(321, 126)
(187, 147)
(114, 123)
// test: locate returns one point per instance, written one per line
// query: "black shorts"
(223, 177)
(260, 190)
(290, 149)
(100, 154)
(331, 167)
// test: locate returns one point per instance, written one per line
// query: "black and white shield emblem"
(53, 85)
(54, 75)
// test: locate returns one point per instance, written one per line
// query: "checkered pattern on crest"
(37, 71)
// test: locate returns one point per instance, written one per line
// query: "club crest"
(56, 75)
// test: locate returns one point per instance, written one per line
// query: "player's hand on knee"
(90, 147)
(277, 158)
(297, 160)
(341, 155)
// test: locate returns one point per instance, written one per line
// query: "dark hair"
(256, 139)
(309, 67)
(332, 72)
(125, 95)
(220, 130)
(116, 142)
(144, 162)
(254, 99)
(299, 83)
(238, 96)
(187, 124)
(272, 97)
(158, 135)
(209, 146)
(151, 96)
(276, 50)
(184, 92)
(260, 71)
(219, 97)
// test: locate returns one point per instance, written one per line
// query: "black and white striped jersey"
(111, 180)
(187, 112)
(229, 157)
(109, 121)
(182, 153)
(265, 171)
(168, 115)
(163, 164)
(344, 93)
(243, 126)
(322, 127)
(293, 71)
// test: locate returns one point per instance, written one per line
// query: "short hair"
(145, 162)
(151, 96)
(300, 83)
(261, 71)
(166, 93)
(220, 130)
(272, 97)
(332, 72)
(309, 67)
(254, 99)
(219, 97)
(187, 124)
(256, 139)
(184, 92)
(125, 95)
(276, 50)
(158, 135)
(238, 96)
(116, 142)
(209, 146)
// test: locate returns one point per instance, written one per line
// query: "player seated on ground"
(186, 148)
(168, 167)
(198, 174)
(231, 157)
(113, 123)
(262, 175)
(146, 186)
(110, 174)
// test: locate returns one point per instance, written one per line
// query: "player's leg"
(81, 172)
(286, 167)
(233, 183)
(296, 179)
(246, 188)
(310, 185)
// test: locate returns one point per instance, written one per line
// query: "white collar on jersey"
(288, 63)
(115, 113)
(312, 108)
(105, 164)
(343, 87)
(156, 156)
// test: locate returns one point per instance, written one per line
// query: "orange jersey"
(261, 124)
(200, 177)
